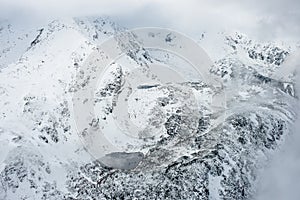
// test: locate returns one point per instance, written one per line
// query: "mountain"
(43, 156)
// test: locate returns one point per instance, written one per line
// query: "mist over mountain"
(235, 151)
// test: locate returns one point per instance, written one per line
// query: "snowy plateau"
(43, 157)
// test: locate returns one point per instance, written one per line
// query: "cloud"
(261, 19)
(281, 179)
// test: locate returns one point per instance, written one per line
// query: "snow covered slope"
(42, 156)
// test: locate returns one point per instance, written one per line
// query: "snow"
(43, 151)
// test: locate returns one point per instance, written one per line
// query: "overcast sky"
(260, 19)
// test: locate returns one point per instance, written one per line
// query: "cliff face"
(42, 156)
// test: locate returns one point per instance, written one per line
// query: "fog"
(269, 19)
(263, 20)
(280, 180)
